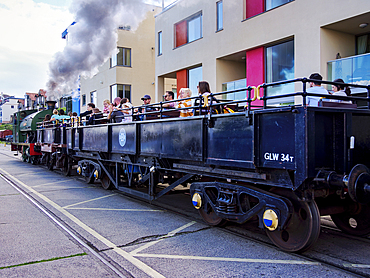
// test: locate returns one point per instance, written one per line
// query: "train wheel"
(50, 162)
(67, 167)
(303, 227)
(34, 160)
(210, 217)
(354, 223)
(106, 183)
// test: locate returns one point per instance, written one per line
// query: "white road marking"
(139, 264)
(62, 181)
(357, 265)
(91, 200)
(172, 233)
(108, 209)
(241, 260)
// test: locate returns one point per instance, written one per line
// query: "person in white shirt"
(315, 88)
(341, 90)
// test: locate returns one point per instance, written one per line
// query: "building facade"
(233, 44)
(130, 72)
(8, 106)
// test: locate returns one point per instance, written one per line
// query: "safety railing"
(211, 104)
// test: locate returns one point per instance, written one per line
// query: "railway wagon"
(287, 165)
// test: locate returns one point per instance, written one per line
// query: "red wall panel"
(181, 33)
(182, 80)
(254, 7)
(255, 60)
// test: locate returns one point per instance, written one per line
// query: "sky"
(30, 35)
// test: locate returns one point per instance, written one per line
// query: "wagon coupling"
(357, 182)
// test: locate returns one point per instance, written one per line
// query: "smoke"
(91, 41)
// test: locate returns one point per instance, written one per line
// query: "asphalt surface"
(81, 230)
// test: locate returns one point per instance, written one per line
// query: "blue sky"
(30, 32)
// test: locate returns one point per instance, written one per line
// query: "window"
(120, 90)
(280, 66)
(219, 16)
(83, 100)
(93, 97)
(188, 30)
(195, 75)
(159, 43)
(122, 58)
(363, 44)
(270, 4)
(255, 7)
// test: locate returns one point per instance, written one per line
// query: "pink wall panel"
(256, 68)
(253, 7)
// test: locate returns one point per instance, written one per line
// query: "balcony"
(355, 69)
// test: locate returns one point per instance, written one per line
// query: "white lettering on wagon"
(283, 157)
(122, 137)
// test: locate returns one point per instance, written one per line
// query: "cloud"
(30, 35)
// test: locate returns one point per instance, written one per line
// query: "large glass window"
(220, 24)
(122, 58)
(120, 90)
(270, 4)
(279, 67)
(159, 43)
(195, 75)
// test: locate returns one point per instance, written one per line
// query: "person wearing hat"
(144, 108)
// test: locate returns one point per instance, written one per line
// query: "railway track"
(319, 253)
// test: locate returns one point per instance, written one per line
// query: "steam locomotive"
(287, 165)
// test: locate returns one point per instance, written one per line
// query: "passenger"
(316, 88)
(95, 115)
(185, 93)
(106, 104)
(144, 108)
(168, 96)
(55, 113)
(204, 91)
(341, 90)
(60, 117)
(46, 121)
(126, 108)
(87, 113)
(74, 119)
(115, 115)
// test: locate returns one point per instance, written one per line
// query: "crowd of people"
(121, 110)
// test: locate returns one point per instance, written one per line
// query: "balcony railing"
(355, 69)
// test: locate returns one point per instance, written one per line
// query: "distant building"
(233, 44)
(8, 106)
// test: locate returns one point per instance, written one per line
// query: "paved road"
(84, 231)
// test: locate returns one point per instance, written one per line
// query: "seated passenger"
(46, 121)
(95, 115)
(60, 117)
(106, 104)
(185, 93)
(316, 88)
(55, 113)
(115, 115)
(341, 90)
(144, 108)
(126, 108)
(87, 113)
(204, 92)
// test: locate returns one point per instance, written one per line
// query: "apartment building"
(128, 73)
(233, 44)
